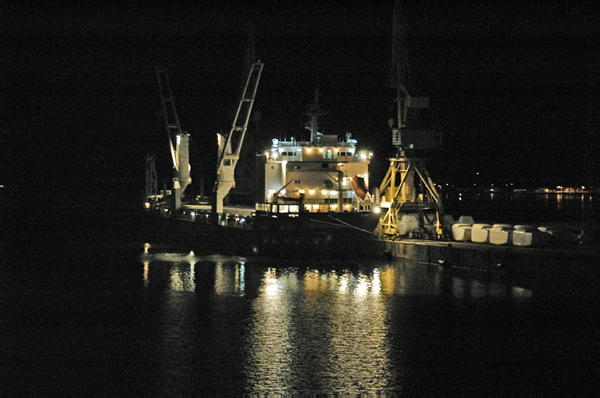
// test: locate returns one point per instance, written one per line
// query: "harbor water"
(134, 317)
(88, 306)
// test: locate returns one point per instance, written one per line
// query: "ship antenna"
(314, 111)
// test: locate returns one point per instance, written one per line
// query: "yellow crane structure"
(407, 188)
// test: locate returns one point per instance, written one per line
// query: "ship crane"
(178, 140)
(398, 185)
(230, 147)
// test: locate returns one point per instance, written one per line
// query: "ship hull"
(314, 236)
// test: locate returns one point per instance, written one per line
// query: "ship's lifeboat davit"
(360, 187)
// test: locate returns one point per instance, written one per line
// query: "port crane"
(178, 140)
(229, 147)
(398, 188)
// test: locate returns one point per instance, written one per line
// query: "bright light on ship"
(312, 191)
(324, 192)
(377, 210)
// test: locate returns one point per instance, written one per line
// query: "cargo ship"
(315, 196)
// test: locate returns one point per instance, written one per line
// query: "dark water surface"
(141, 318)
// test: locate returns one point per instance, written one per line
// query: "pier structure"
(525, 266)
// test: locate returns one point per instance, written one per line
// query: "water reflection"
(324, 331)
(230, 278)
(293, 328)
(181, 269)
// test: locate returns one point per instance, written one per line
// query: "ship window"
(297, 181)
(329, 154)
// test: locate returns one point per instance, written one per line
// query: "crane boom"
(229, 151)
(179, 149)
(167, 101)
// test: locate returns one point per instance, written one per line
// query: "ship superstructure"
(325, 174)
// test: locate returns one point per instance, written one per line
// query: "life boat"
(360, 187)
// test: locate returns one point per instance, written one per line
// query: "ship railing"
(340, 144)
(280, 208)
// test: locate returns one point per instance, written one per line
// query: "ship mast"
(314, 111)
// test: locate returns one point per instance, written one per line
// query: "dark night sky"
(514, 88)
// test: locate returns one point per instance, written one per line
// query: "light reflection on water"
(309, 329)
(324, 331)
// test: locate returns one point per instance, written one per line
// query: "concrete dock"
(523, 264)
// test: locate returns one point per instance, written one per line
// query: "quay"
(525, 265)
